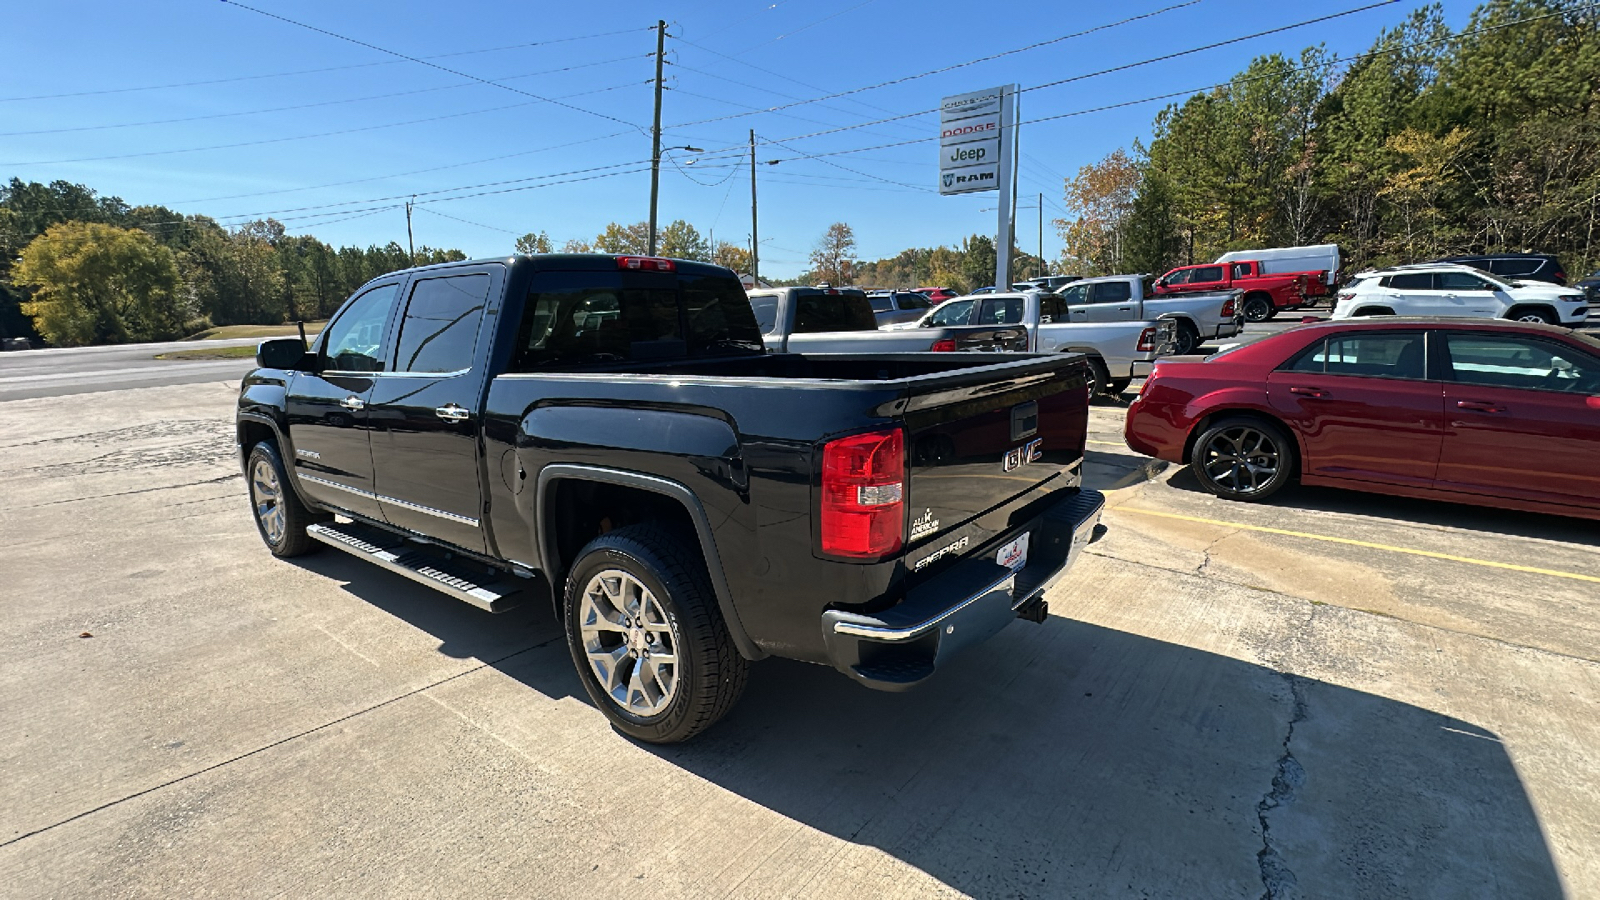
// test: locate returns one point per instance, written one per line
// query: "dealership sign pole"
(976, 136)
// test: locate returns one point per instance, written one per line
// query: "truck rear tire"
(1187, 340)
(1099, 378)
(647, 636)
(1258, 308)
(280, 516)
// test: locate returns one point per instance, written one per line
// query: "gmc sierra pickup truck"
(608, 435)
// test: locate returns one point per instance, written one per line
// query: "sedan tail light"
(943, 345)
(863, 509)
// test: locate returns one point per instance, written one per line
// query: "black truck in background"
(609, 435)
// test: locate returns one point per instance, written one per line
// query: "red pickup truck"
(1264, 295)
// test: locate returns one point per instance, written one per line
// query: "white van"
(1322, 258)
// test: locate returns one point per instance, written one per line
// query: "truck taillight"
(646, 264)
(1227, 308)
(863, 508)
(943, 345)
(1147, 340)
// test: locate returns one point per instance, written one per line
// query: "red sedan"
(1494, 413)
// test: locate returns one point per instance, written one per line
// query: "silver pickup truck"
(1118, 351)
(1199, 317)
(841, 320)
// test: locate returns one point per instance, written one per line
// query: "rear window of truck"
(579, 318)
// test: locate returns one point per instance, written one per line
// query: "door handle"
(1308, 391)
(1124, 309)
(1479, 406)
(353, 402)
(452, 412)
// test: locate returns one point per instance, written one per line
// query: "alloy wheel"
(1243, 460)
(268, 496)
(630, 643)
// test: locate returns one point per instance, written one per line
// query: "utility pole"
(1043, 269)
(755, 238)
(655, 134)
(411, 249)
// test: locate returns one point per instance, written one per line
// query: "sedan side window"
(355, 339)
(1513, 361)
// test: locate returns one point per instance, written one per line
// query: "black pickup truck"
(608, 435)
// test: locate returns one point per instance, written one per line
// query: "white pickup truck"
(1118, 351)
(1199, 317)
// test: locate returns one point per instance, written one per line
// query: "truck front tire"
(647, 636)
(280, 516)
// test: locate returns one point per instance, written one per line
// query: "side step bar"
(462, 580)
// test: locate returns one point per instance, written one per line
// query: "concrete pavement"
(1210, 711)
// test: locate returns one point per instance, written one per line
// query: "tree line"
(79, 268)
(964, 267)
(1429, 144)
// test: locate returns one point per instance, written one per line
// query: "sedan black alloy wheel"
(1242, 459)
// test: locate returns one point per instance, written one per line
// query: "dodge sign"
(969, 142)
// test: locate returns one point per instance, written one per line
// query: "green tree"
(680, 240)
(732, 256)
(633, 239)
(93, 283)
(534, 243)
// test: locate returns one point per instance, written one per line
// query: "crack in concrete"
(164, 487)
(1205, 555)
(1276, 876)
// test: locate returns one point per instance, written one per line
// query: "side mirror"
(283, 353)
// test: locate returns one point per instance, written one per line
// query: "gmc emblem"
(1017, 457)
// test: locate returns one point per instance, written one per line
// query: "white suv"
(1445, 289)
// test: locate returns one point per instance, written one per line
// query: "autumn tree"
(731, 256)
(833, 258)
(93, 283)
(1099, 200)
(680, 240)
(633, 239)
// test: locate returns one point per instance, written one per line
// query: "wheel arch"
(1520, 308)
(629, 494)
(252, 428)
(1242, 412)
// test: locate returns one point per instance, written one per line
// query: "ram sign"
(969, 142)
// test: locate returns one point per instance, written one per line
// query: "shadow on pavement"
(1071, 759)
(1443, 513)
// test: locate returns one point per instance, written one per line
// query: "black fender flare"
(656, 484)
(285, 449)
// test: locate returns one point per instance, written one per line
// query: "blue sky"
(411, 128)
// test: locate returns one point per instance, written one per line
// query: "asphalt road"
(59, 372)
(1330, 695)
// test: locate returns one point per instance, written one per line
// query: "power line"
(276, 109)
(421, 61)
(181, 84)
(466, 221)
(972, 62)
(850, 170)
(810, 26)
(303, 137)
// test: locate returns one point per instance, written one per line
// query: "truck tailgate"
(980, 454)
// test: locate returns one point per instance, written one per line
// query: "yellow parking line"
(1367, 544)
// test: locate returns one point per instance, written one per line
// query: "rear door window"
(1370, 354)
(1111, 292)
(440, 328)
(1410, 281)
(1206, 275)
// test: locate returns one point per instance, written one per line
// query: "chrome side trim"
(416, 507)
(911, 632)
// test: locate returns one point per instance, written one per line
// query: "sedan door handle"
(1308, 391)
(452, 412)
(1479, 406)
(353, 402)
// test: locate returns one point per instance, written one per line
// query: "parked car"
(1118, 351)
(15, 343)
(890, 307)
(840, 320)
(987, 289)
(938, 294)
(687, 502)
(1448, 289)
(1263, 295)
(1321, 264)
(1121, 298)
(1054, 282)
(1590, 287)
(1515, 266)
(1491, 413)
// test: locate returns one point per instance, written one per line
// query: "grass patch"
(223, 332)
(211, 353)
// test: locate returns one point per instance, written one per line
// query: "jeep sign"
(970, 128)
